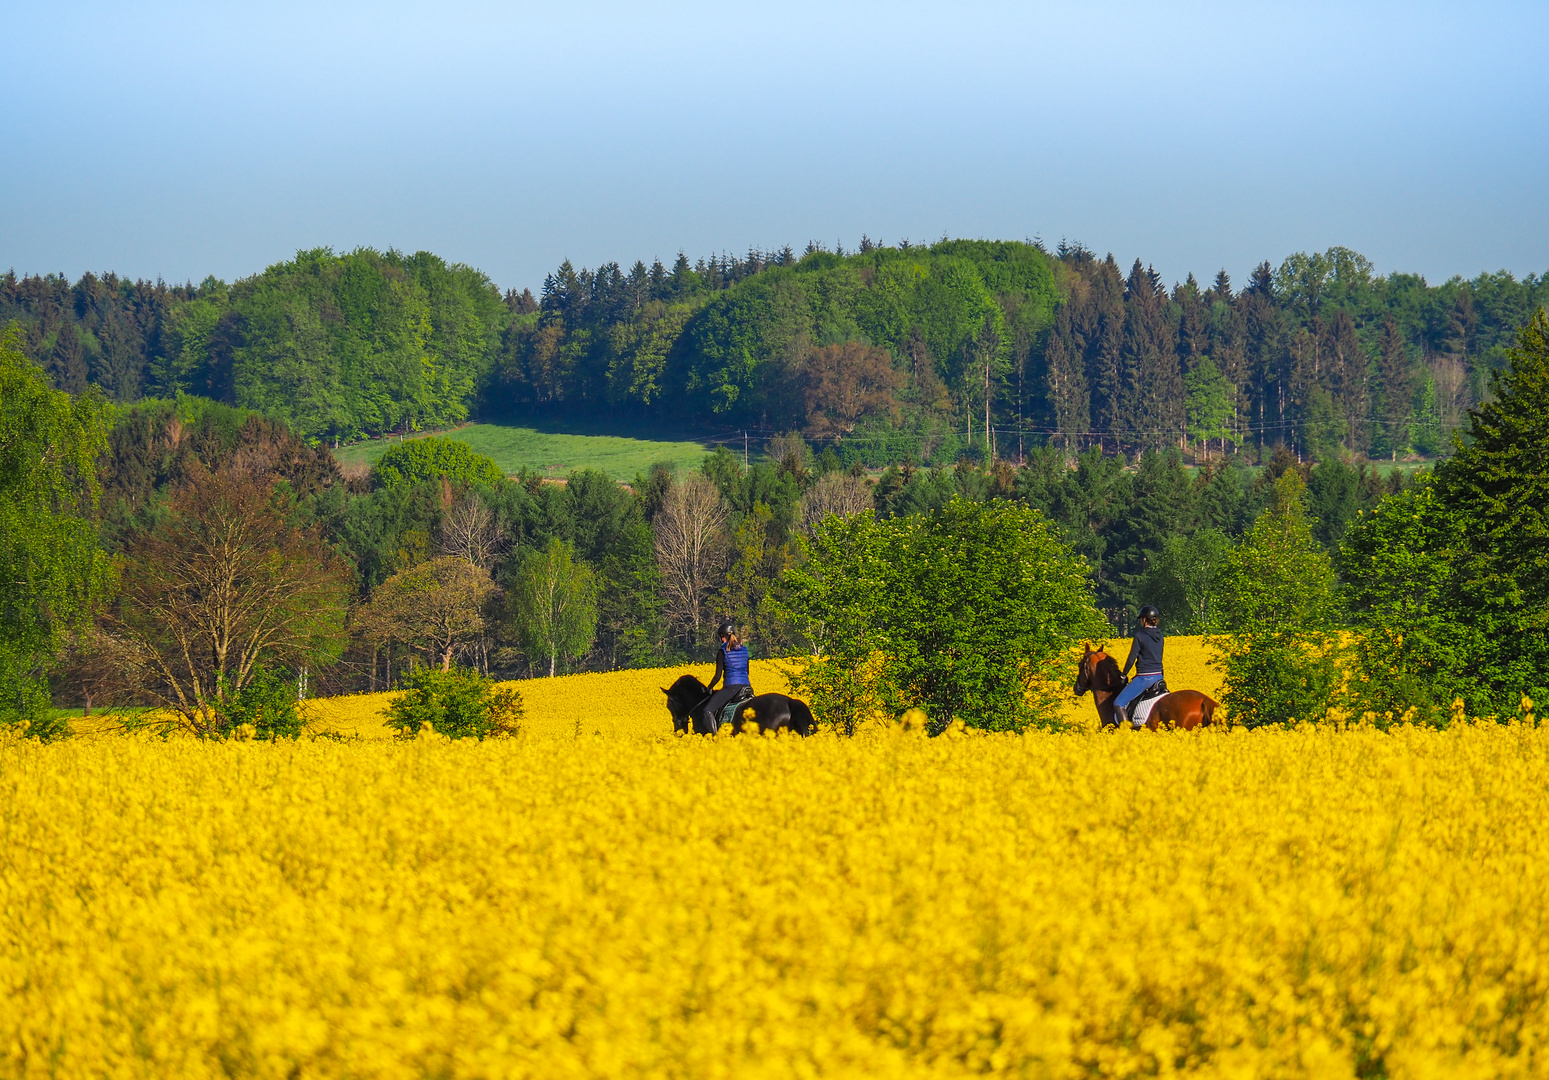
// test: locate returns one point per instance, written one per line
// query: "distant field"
(552, 454)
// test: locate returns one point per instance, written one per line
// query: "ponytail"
(733, 641)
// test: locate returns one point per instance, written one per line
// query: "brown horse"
(1099, 673)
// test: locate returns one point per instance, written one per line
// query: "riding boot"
(1120, 718)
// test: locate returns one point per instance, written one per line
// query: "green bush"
(967, 612)
(267, 705)
(433, 458)
(1277, 618)
(459, 703)
(1272, 679)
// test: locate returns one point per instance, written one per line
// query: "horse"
(1099, 673)
(771, 712)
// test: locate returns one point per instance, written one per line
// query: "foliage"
(1181, 579)
(966, 611)
(1324, 880)
(266, 707)
(1278, 616)
(1451, 579)
(1210, 405)
(459, 703)
(434, 458)
(436, 606)
(553, 603)
(1320, 350)
(52, 572)
(226, 583)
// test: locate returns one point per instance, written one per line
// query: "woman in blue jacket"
(731, 663)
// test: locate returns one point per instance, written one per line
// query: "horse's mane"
(687, 690)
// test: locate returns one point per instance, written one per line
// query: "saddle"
(729, 710)
(1140, 708)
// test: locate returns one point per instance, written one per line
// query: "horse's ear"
(666, 691)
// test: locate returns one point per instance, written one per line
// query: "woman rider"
(731, 661)
(1145, 656)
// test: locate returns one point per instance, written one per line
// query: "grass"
(552, 453)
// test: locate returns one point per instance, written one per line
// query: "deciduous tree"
(225, 583)
(437, 606)
(553, 602)
(51, 571)
(690, 549)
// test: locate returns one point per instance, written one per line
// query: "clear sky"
(182, 140)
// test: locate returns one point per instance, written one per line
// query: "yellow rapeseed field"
(600, 897)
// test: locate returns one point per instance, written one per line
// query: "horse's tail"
(806, 723)
(1208, 710)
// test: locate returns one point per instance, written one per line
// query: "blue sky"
(180, 140)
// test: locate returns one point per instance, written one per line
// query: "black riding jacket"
(1145, 653)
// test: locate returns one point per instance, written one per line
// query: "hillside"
(961, 348)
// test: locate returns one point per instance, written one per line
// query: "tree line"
(888, 353)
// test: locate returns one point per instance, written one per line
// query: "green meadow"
(548, 453)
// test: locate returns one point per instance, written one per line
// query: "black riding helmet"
(1149, 612)
(724, 631)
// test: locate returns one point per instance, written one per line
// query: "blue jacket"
(733, 663)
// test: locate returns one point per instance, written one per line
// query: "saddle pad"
(1142, 709)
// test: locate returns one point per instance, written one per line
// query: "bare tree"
(1452, 397)
(98, 669)
(836, 493)
(690, 548)
(222, 586)
(789, 451)
(436, 606)
(469, 532)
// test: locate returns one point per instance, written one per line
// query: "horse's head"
(1086, 671)
(683, 697)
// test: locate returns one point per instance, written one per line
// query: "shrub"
(459, 703)
(966, 611)
(433, 458)
(266, 704)
(1277, 618)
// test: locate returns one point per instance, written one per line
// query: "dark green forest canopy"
(889, 353)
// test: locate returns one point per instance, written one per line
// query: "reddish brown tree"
(844, 383)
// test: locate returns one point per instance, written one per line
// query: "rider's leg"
(710, 713)
(1137, 686)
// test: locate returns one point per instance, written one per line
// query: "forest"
(160, 432)
(887, 354)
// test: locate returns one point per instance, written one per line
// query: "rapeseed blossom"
(599, 897)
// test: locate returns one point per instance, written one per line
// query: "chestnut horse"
(1099, 673)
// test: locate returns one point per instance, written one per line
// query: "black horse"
(771, 712)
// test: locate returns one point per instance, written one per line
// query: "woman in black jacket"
(1145, 656)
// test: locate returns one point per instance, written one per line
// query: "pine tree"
(1348, 379)
(1066, 386)
(1153, 384)
(1395, 380)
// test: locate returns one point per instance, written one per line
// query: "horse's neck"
(1114, 680)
